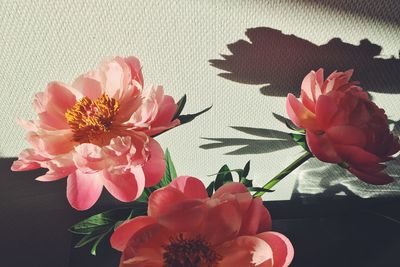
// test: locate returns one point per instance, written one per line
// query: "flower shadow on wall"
(280, 62)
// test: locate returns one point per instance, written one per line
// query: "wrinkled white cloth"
(329, 180)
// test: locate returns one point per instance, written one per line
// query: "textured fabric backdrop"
(41, 41)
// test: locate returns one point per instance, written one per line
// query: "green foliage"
(301, 140)
(179, 107)
(224, 176)
(189, 117)
(95, 228)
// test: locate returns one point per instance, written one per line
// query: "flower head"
(343, 125)
(98, 133)
(185, 227)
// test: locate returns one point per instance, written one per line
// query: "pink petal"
(51, 142)
(252, 218)
(230, 188)
(52, 104)
(307, 87)
(163, 119)
(355, 155)
(88, 157)
(265, 222)
(28, 159)
(125, 186)
(322, 148)
(154, 167)
(162, 200)
(136, 69)
(58, 168)
(319, 76)
(222, 222)
(129, 102)
(83, 189)
(376, 178)
(185, 216)
(115, 76)
(299, 115)
(119, 145)
(144, 248)
(282, 248)
(347, 135)
(20, 165)
(123, 233)
(89, 85)
(246, 251)
(236, 191)
(325, 110)
(190, 186)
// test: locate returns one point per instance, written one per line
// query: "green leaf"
(92, 224)
(179, 107)
(246, 182)
(98, 222)
(170, 171)
(189, 117)
(224, 176)
(246, 169)
(97, 242)
(300, 139)
(287, 122)
(144, 197)
(86, 240)
(96, 227)
(259, 189)
(210, 189)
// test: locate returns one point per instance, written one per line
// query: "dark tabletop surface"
(325, 232)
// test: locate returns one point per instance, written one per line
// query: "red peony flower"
(186, 228)
(98, 133)
(343, 125)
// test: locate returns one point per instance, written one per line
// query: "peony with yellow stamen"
(98, 133)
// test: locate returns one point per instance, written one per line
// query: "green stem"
(303, 158)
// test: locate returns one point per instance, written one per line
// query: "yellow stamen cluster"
(91, 120)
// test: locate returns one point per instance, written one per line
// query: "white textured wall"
(41, 41)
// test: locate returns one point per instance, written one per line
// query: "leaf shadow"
(274, 140)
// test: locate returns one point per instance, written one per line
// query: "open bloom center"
(195, 252)
(92, 120)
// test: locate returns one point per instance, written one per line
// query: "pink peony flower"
(186, 228)
(98, 133)
(343, 125)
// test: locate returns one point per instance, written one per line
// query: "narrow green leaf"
(224, 176)
(179, 107)
(300, 139)
(144, 197)
(210, 189)
(91, 224)
(86, 240)
(97, 242)
(97, 222)
(189, 117)
(287, 122)
(246, 182)
(259, 189)
(246, 169)
(170, 172)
